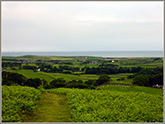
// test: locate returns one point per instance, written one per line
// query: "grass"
(127, 81)
(114, 77)
(31, 74)
(51, 108)
(51, 76)
(68, 77)
(141, 89)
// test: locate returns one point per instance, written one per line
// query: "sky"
(82, 26)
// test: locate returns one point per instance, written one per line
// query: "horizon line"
(89, 51)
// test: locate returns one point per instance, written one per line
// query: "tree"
(90, 82)
(156, 79)
(37, 82)
(20, 67)
(44, 83)
(102, 79)
(30, 82)
(141, 80)
(12, 77)
(33, 82)
(56, 83)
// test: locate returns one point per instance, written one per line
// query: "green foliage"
(140, 89)
(17, 102)
(31, 74)
(112, 106)
(156, 79)
(56, 83)
(148, 80)
(33, 82)
(141, 80)
(102, 79)
(9, 78)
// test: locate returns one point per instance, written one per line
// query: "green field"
(140, 89)
(68, 77)
(31, 74)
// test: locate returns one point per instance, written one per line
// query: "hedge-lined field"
(112, 106)
(68, 77)
(17, 102)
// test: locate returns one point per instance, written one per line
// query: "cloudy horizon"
(82, 26)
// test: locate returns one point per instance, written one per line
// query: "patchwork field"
(68, 77)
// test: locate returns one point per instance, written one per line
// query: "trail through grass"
(51, 108)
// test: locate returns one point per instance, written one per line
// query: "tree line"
(10, 78)
(149, 77)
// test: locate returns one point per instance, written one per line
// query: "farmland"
(81, 89)
(50, 76)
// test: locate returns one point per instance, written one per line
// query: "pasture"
(31, 74)
(68, 77)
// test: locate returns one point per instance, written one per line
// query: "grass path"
(51, 108)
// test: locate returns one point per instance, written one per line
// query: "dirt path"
(51, 108)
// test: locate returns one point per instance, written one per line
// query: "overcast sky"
(82, 26)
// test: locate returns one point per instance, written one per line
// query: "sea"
(90, 53)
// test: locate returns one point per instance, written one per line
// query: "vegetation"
(51, 108)
(136, 89)
(82, 89)
(112, 106)
(17, 102)
(18, 79)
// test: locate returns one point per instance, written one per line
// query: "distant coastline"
(90, 53)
